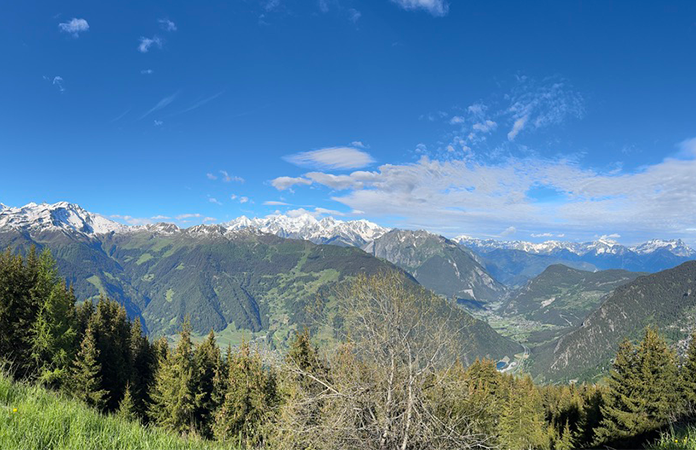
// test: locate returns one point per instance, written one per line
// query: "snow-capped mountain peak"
(675, 246)
(55, 217)
(325, 231)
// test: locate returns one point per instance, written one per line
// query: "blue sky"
(518, 120)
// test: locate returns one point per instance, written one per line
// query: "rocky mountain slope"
(438, 264)
(562, 296)
(666, 300)
(230, 280)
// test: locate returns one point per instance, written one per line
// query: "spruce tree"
(249, 400)
(207, 365)
(127, 409)
(174, 397)
(522, 424)
(54, 336)
(688, 378)
(86, 377)
(642, 390)
(143, 366)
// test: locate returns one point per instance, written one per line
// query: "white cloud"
(437, 8)
(211, 176)
(147, 43)
(214, 200)
(456, 120)
(359, 144)
(74, 27)
(508, 231)
(147, 72)
(317, 212)
(233, 196)
(283, 183)
(323, 6)
(158, 123)
(485, 127)
(167, 24)
(610, 236)
(330, 212)
(161, 104)
(275, 203)
(199, 103)
(209, 219)
(161, 218)
(538, 235)
(354, 15)
(473, 194)
(517, 127)
(332, 158)
(130, 220)
(187, 216)
(58, 82)
(228, 178)
(243, 199)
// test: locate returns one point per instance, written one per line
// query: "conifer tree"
(642, 390)
(127, 409)
(522, 424)
(174, 397)
(207, 365)
(143, 366)
(688, 378)
(86, 379)
(54, 336)
(249, 401)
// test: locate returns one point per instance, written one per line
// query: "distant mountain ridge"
(35, 217)
(598, 247)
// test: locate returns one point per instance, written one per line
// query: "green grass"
(681, 439)
(34, 418)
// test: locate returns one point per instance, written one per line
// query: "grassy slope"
(46, 420)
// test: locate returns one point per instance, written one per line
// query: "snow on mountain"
(325, 231)
(62, 216)
(598, 247)
(675, 246)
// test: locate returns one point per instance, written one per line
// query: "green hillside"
(243, 285)
(33, 418)
(563, 296)
(666, 300)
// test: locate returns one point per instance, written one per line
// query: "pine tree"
(174, 397)
(127, 409)
(249, 401)
(642, 390)
(143, 366)
(86, 379)
(54, 336)
(207, 365)
(688, 377)
(522, 424)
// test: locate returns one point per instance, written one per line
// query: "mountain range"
(234, 279)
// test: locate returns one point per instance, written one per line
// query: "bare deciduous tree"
(377, 390)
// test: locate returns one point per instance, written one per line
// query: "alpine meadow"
(347, 224)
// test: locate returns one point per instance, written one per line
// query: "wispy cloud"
(147, 43)
(120, 116)
(437, 8)
(275, 203)
(354, 15)
(210, 176)
(227, 178)
(161, 104)
(58, 82)
(167, 25)
(332, 158)
(188, 216)
(147, 72)
(214, 200)
(158, 123)
(475, 194)
(74, 27)
(283, 183)
(198, 103)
